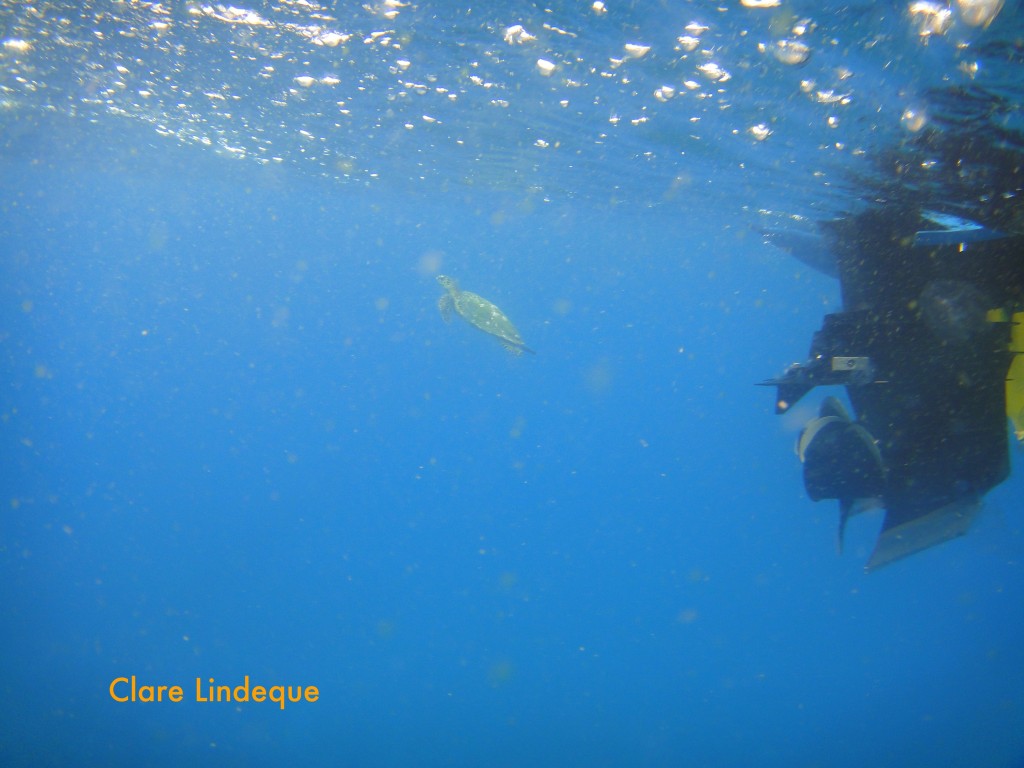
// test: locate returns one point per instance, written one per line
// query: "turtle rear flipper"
(516, 349)
(512, 348)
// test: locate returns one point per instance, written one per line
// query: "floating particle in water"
(955, 311)
(913, 119)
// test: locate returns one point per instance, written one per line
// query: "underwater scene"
(591, 383)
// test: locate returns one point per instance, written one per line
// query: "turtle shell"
(479, 312)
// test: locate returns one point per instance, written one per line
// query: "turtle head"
(447, 283)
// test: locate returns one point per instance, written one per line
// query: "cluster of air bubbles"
(979, 13)
(630, 51)
(517, 35)
(934, 19)
(791, 51)
(664, 93)
(930, 18)
(323, 81)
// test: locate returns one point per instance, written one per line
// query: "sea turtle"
(478, 311)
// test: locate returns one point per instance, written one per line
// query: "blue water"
(238, 439)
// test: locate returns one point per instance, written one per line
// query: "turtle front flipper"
(445, 305)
